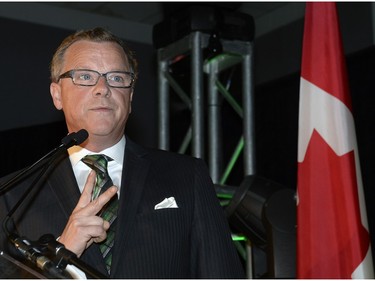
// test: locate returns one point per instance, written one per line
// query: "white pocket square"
(166, 203)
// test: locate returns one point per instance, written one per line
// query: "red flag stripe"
(322, 46)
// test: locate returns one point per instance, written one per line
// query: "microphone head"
(75, 138)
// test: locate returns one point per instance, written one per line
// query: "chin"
(103, 133)
(101, 128)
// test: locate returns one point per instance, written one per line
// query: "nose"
(102, 88)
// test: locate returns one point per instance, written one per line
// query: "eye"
(84, 76)
(116, 78)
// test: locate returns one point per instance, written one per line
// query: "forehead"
(84, 53)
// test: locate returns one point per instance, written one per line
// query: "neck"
(97, 144)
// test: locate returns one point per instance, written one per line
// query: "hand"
(84, 226)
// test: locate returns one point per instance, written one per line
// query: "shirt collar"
(116, 152)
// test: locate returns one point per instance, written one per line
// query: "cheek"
(124, 102)
(129, 105)
(72, 103)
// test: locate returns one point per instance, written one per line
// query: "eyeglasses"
(87, 77)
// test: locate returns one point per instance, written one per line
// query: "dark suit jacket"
(191, 241)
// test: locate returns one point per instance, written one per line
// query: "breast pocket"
(170, 221)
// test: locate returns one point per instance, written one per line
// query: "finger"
(87, 190)
(98, 204)
(80, 232)
(94, 207)
(103, 234)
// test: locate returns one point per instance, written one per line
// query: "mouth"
(101, 109)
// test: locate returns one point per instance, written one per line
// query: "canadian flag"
(332, 233)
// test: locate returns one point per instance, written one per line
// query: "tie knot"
(99, 162)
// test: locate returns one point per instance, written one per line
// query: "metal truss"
(205, 105)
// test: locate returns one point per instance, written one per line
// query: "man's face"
(100, 109)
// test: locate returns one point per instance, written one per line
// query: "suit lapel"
(134, 173)
(64, 186)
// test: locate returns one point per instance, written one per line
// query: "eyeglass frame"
(69, 74)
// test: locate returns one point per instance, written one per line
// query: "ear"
(55, 91)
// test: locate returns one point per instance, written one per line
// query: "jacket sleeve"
(213, 252)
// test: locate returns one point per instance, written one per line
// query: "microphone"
(74, 138)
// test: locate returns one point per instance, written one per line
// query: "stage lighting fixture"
(265, 212)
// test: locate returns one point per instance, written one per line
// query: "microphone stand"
(47, 243)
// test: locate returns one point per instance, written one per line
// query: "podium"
(13, 269)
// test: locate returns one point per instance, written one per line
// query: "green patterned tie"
(99, 162)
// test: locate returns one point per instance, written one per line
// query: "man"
(169, 223)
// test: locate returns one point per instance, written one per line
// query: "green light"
(236, 237)
(233, 160)
(224, 196)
